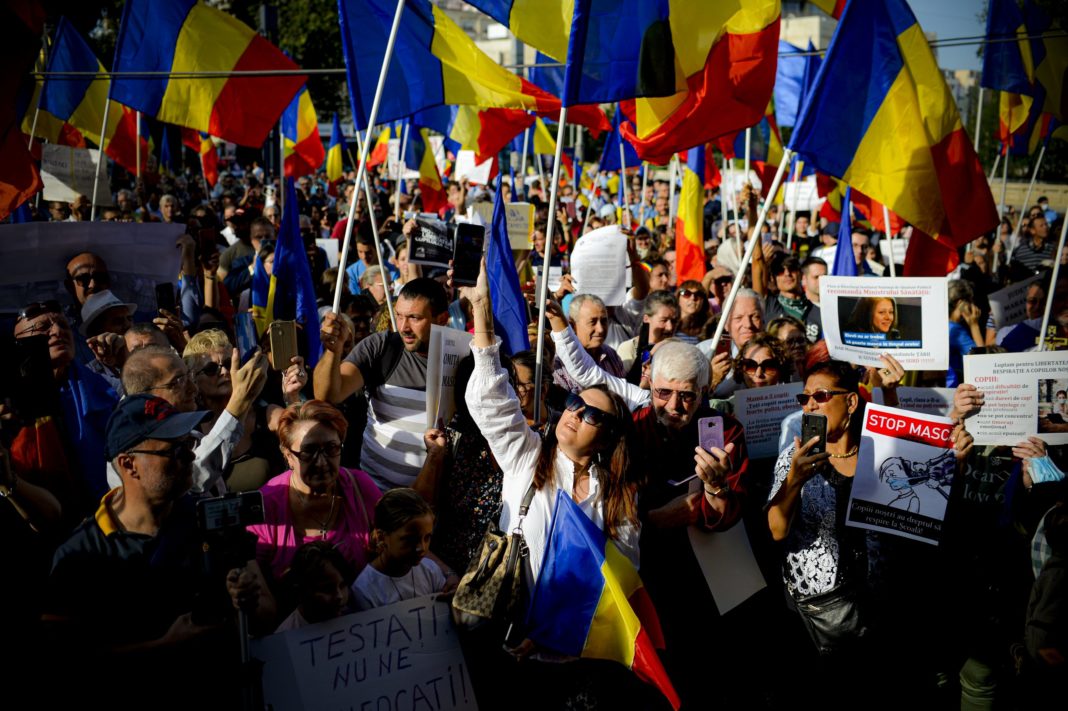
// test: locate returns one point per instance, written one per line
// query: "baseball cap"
(140, 417)
(95, 306)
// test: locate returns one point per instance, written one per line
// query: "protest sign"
(1026, 394)
(520, 218)
(905, 469)
(448, 346)
(927, 401)
(802, 195)
(69, 172)
(1008, 306)
(483, 209)
(599, 265)
(138, 256)
(556, 274)
(466, 168)
(761, 412)
(394, 658)
(907, 316)
(430, 243)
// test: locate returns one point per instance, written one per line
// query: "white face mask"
(1061, 400)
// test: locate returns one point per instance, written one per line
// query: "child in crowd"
(404, 523)
(319, 579)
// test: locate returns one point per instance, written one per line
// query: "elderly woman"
(316, 499)
(828, 565)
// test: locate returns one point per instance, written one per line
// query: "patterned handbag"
(491, 590)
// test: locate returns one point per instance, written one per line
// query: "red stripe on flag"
(302, 160)
(643, 607)
(966, 199)
(928, 257)
(648, 668)
(497, 127)
(122, 146)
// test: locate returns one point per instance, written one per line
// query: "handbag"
(833, 619)
(492, 587)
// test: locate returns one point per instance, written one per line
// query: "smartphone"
(28, 381)
(233, 510)
(709, 435)
(467, 253)
(283, 343)
(724, 345)
(165, 298)
(206, 242)
(814, 425)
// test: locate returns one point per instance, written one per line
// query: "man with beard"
(392, 367)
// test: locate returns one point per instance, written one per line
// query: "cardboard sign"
(1008, 306)
(69, 172)
(520, 217)
(1026, 395)
(402, 656)
(905, 469)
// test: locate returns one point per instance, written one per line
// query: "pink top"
(277, 540)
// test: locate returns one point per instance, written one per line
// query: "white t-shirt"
(374, 588)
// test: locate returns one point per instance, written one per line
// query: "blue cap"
(140, 417)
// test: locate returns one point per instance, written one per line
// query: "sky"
(952, 18)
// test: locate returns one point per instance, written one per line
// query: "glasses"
(690, 294)
(687, 397)
(768, 366)
(523, 387)
(85, 278)
(212, 369)
(820, 396)
(180, 382)
(37, 308)
(588, 413)
(43, 327)
(724, 281)
(184, 446)
(330, 451)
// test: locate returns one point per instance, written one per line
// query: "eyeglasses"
(687, 397)
(212, 369)
(32, 311)
(330, 451)
(769, 365)
(690, 294)
(523, 387)
(179, 382)
(590, 415)
(179, 448)
(820, 396)
(85, 278)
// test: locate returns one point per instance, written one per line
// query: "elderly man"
(589, 318)
(667, 419)
(745, 321)
(168, 209)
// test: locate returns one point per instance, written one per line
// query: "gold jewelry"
(848, 454)
(324, 525)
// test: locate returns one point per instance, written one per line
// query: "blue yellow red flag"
(844, 262)
(690, 219)
(335, 154)
(302, 148)
(184, 35)
(420, 156)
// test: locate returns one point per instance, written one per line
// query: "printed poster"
(1025, 394)
(599, 265)
(761, 412)
(905, 470)
(1008, 306)
(448, 346)
(864, 318)
(927, 401)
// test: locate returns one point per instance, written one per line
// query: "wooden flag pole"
(889, 241)
(761, 218)
(362, 169)
(523, 165)
(402, 146)
(386, 286)
(748, 140)
(1026, 200)
(543, 286)
(100, 155)
(1052, 287)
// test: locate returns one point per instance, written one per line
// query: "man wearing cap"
(778, 280)
(126, 581)
(105, 320)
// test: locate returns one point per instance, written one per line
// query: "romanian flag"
(288, 293)
(335, 155)
(21, 27)
(610, 155)
(509, 306)
(1008, 68)
(845, 264)
(182, 36)
(72, 109)
(201, 143)
(589, 601)
(833, 192)
(690, 220)
(1049, 54)
(434, 62)
(302, 148)
(488, 131)
(833, 8)
(380, 150)
(544, 143)
(541, 24)
(418, 155)
(881, 118)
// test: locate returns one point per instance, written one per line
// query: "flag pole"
(623, 177)
(641, 198)
(137, 144)
(978, 119)
(402, 146)
(1052, 287)
(1002, 207)
(541, 173)
(361, 171)
(374, 233)
(281, 168)
(543, 287)
(889, 241)
(994, 170)
(523, 165)
(1027, 198)
(100, 155)
(673, 172)
(734, 201)
(748, 138)
(793, 209)
(761, 218)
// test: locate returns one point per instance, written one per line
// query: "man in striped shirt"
(1036, 251)
(392, 369)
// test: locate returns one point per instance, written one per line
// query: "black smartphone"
(29, 382)
(814, 425)
(467, 253)
(165, 298)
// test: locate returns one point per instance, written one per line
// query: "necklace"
(324, 524)
(848, 454)
(411, 573)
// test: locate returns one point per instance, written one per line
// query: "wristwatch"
(718, 491)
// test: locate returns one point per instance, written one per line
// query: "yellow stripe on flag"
(615, 626)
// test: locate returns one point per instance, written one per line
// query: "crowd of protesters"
(108, 449)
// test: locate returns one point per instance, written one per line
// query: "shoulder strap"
(359, 497)
(527, 498)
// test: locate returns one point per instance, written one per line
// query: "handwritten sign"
(395, 658)
(520, 217)
(69, 172)
(761, 412)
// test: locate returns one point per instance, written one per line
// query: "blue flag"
(165, 151)
(515, 187)
(509, 306)
(844, 263)
(610, 155)
(789, 75)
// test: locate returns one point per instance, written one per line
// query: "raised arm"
(335, 379)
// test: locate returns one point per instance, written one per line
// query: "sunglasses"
(212, 369)
(690, 293)
(85, 278)
(820, 396)
(724, 281)
(309, 455)
(32, 311)
(588, 413)
(687, 397)
(768, 366)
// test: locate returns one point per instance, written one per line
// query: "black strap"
(527, 498)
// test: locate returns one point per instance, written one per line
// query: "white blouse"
(495, 409)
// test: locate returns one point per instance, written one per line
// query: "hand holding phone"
(814, 425)
(283, 336)
(709, 436)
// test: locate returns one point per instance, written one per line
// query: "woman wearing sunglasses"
(694, 312)
(762, 361)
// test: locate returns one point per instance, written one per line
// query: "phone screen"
(165, 297)
(467, 257)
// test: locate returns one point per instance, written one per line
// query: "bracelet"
(719, 491)
(209, 277)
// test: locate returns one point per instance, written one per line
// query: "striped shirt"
(1032, 258)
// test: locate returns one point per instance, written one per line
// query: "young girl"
(319, 579)
(404, 523)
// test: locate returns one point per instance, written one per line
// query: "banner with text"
(448, 346)
(1008, 306)
(1026, 394)
(927, 401)
(599, 265)
(761, 412)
